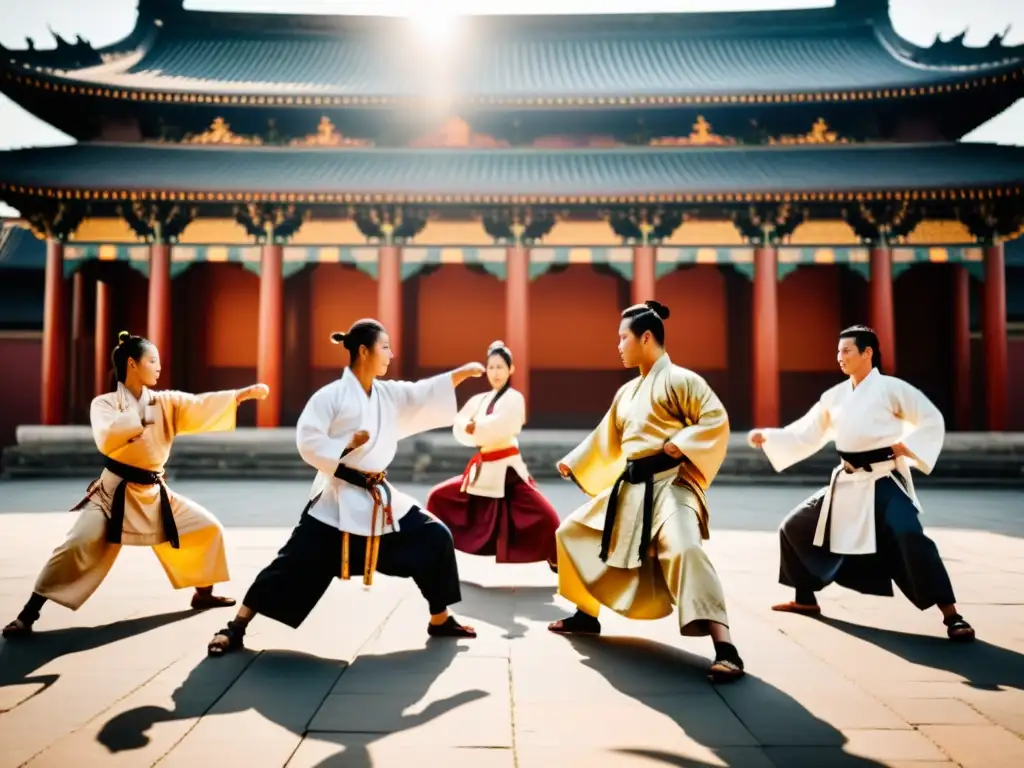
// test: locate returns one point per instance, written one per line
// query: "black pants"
(904, 553)
(289, 588)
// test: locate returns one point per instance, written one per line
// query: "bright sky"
(102, 22)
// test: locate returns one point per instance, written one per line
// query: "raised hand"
(756, 438)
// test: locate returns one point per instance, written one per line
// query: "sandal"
(804, 609)
(451, 628)
(958, 630)
(233, 633)
(579, 623)
(726, 670)
(553, 566)
(203, 600)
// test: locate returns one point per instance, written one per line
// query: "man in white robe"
(862, 530)
(349, 432)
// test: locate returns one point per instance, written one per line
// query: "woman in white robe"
(349, 432)
(130, 504)
(862, 530)
(494, 508)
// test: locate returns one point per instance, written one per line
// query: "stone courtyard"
(125, 681)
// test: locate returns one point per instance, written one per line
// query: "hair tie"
(337, 337)
(122, 337)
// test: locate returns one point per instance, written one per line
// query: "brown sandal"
(725, 671)
(793, 607)
(17, 628)
(958, 630)
(451, 628)
(234, 634)
(204, 600)
(579, 623)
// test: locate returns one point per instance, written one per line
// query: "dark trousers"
(289, 588)
(904, 553)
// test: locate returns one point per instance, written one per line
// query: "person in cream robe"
(349, 432)
(862, 530)
(635, 547)
(494, 508)
(130, 504)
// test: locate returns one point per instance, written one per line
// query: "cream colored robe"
(494, 431)
(669, 405)
(79, 565)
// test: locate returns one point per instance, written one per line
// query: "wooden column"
(961, 348)
(103, 341)
(55, 337)
(881, 314)
(158, 321)
(994, 339)
(271, 329)
(517, 315)
(389, 302)
(766, 338)
(76, 382)
(643, 273)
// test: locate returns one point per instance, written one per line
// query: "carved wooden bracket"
(645, 226)
(159, 222)
(519, 226)
(993, 220)
(883, 221)
(768, 224)
(389, 224)
(271, 223)
(53, 219)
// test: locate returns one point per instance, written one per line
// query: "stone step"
(69, 451)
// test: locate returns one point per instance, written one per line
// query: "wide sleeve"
(312, 431)
(803, 438)
(113, 429)
(192, 414)
(505, 422)
(925, 427)
(423, 405)
(704, 438)
(462, 419)
(597, 462)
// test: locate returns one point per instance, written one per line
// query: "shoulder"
(513, 396)
(106, 401)
(829, 395)
(680, 376)
(625, 388)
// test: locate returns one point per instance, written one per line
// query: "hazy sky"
(102, 22)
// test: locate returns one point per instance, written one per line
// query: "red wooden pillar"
(158, 321)
(517, 315)
(271, 331)
(881, 315)
(961, 348)
(55, 337)
(993, 334)
(389, 303)
(76, 381)
(643, 273)
(103, 341)
(766, 338)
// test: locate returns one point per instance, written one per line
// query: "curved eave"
(233, 175)
(14, 80)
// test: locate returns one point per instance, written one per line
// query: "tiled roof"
(20, 249)
(850, 48)
(502, 173)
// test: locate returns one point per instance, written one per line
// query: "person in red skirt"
(494, 507)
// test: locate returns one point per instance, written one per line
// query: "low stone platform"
(995, 458)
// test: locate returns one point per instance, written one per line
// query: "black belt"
(637, 471)
(130, 474)
(864, 459)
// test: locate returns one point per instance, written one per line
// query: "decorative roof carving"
(820, 133)
(701, 136)
(327, 136)
(220, 133)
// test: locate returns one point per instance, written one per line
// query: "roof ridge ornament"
(702, 135)
(820, 133)
(328, 136)
(220, 132)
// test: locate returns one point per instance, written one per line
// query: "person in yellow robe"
(635, 547)
(134, 428)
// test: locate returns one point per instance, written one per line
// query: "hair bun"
(338, 337)
(497, 344)
(122, 337)
(658, 308)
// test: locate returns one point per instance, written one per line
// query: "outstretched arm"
(209, 411)
(428, 403)
(792, 444)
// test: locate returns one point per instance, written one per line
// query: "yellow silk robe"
(669, 405)
(80, 564)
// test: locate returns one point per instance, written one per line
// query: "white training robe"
(393, 410)
(493, 432)
(878, 413)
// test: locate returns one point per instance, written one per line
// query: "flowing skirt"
(519, 528)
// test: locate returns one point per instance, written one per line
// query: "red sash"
(473, 467)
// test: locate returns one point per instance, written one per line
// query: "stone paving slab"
(125, 680)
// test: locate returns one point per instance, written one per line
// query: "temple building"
(244, 184)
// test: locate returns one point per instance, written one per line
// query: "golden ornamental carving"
(820, 133)
(327, 136)
(701, 136)
(220, 133)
